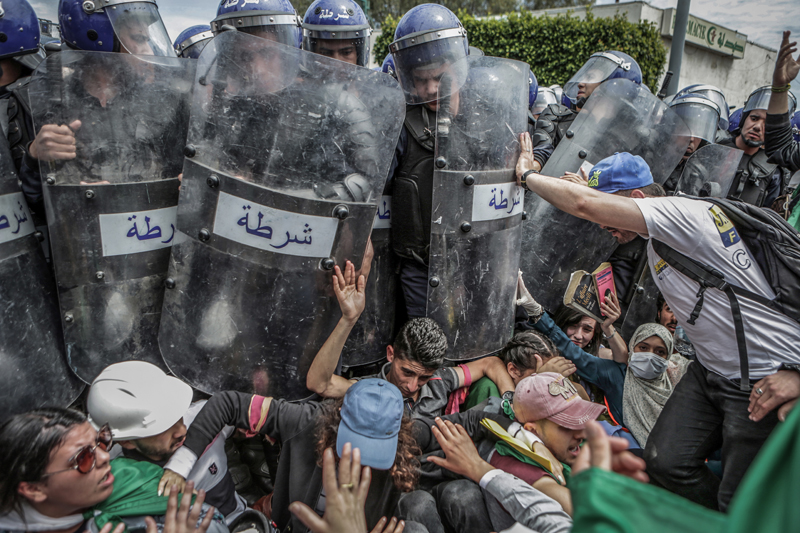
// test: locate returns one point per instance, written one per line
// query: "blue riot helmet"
(716, 96)
(544, 98)
(19, 34)
(533, 89)
(388, 66)
(271, 19)
(338, 29)
(699, 113)
(733, 121)
(429, 43)
(192, 40)
(759, 99)
(796, 127)
(133, 26)
(600, 67)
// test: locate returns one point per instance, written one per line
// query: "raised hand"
(350, 291)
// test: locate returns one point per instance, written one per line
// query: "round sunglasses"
(86, 457)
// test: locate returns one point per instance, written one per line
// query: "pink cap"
(554, 397)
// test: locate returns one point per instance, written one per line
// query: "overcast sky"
(761, 20)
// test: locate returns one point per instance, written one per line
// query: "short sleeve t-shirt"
(700, 230)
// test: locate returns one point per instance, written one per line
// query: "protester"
(415, 359)
(58, 477)
(148, 413)
(707, 398)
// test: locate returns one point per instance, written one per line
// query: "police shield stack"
(710, 171)
(111, 210)
(620, 116)
(476, 222)
(287, 158)
(33, 366)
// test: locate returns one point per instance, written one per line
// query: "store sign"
(704, 34)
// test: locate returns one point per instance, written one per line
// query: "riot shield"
(477, 207)
(710, 171)
(33, 365)
(287, 157)
(111, 210)
(375, 328)
(620, 116)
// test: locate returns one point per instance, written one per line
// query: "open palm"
(350, 291)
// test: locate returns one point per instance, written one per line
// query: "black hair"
(652, 190)
(522, 347)
(659, 306)
(27, 442)
(566, 317)
(421, 340)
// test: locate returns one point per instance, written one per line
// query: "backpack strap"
(709, 277)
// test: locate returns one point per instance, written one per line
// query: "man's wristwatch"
(508, 395)
(524, 177)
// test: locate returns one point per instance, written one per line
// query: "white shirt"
(701, 231)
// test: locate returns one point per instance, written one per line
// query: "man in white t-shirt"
(708, 410)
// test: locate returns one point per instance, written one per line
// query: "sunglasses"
(86, 457)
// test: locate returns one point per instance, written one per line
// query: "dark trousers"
(451, 507)
(414, 282)
(706, 412)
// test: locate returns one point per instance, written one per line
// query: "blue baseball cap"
(620, 172)
(371, 416)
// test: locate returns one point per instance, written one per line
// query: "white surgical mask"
(647, 365)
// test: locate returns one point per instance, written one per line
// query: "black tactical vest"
(20, 126)
(412, 191)
(753, 178)
(553, 124)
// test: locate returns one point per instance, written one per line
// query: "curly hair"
(405, 470)
(421, 340)
(522, 347)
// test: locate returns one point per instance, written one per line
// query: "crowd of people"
(561, 423)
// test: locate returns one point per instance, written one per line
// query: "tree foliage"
(555, 46)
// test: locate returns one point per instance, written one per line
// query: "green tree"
(555, 46)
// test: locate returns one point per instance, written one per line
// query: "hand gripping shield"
(287, 157)
(476, 220)
(33, 365)
(111, 210)
(619, 117)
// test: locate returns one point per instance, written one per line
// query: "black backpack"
(775, 247)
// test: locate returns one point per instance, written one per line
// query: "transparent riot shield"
(620, 116)
(111, 210)
(710, 171)
(287, 157)
(33, 365)
(476, 220)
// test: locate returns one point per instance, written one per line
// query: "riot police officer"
(555, 120)
(20, 53)
(758, 181)
(544, 97)
(192, 40)
(337, 29)
(276, 20)
(702, 115)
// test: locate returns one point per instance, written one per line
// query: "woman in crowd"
(58, 477)
(635, 392)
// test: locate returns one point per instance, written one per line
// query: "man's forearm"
(496, 371)
(588, 204)
(778, 103)
(322, 369)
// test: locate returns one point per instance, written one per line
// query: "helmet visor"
(421, 67)
(348, 46)
(545, 97)
(140, 30)
(700, 114)
(596, 70)
(759, 99)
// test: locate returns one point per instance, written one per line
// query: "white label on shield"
(273, 230)
(138, 232)
(496, 201)
(15, 219)
(383, 218)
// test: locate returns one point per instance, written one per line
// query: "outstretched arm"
(580, 201)
(350, 292)
(491, 367)
(786, 70)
